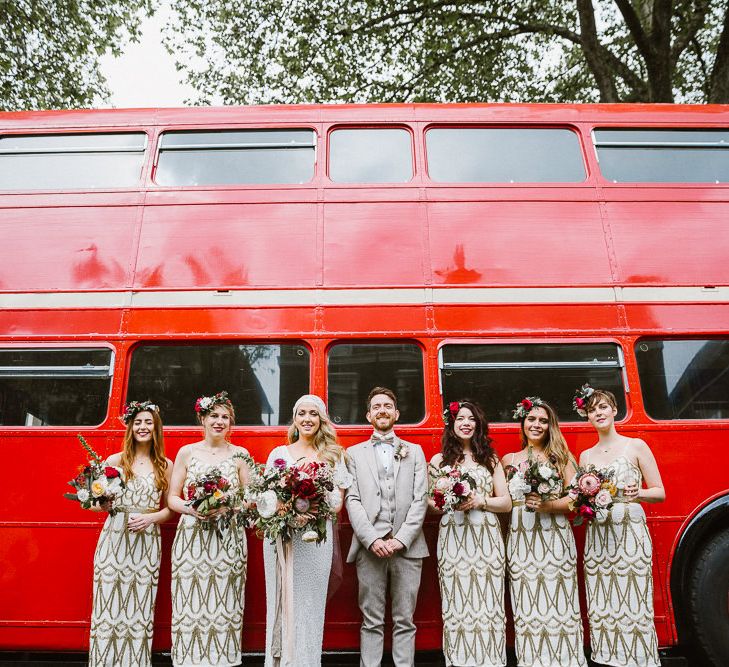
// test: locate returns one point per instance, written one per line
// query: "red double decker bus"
(489, 251)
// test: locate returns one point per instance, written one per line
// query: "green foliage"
(463, 50)
(50, 49)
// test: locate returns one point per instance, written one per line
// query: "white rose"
(546, 471)
(309, 536)
(98, 487)
(443, 484)
(267, 504)
(518, 487)
(342, 477)
(206, 402)
(543, 488)
(82, 495)
(603, 498)
(446, 469)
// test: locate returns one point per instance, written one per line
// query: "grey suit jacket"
(363, 499)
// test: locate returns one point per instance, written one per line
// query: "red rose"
(306, 489)
(458, 489)
(527, 404)
(111, 472)
(438, 499)
(190, 491)
(209, 487)
(454, 407)
(587, 512)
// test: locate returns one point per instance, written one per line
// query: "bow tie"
(383, 439)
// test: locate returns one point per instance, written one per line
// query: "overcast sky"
(145, 75)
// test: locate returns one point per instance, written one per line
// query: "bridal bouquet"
(96, 483)
(450, 486)
(287, 499)
(209, 491)
(542, 478)
(591, 494)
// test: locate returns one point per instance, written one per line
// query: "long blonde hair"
(555, 445)
(156, 452)
(325, 441)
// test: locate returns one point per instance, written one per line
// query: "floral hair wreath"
(451, 411)
(133, 408)
(205, 404)
(579, 402)
(525, 405)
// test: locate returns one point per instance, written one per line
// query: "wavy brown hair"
(452, 447)
(555, 445)
(156, 452)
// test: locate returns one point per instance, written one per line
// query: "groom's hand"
(395, 545)
(381, 549)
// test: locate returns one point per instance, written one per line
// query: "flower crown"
(451, 411)
(133, 408)
(525, 405)
(207, 403)
(579, 402)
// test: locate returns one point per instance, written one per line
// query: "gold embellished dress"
(126, 572)
(471, 567)
(208, 581)
(542, 560)
(619, 581)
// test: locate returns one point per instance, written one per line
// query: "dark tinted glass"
(664, 156)
(52, 162)
(370, 156)
(54, 387)
(499, 376)
(494, 155)
(263, 381)
(354, 370)
(684, 379)
(236, 157)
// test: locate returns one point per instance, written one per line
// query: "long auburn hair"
(156, 452)
(452, 448)
(325, 441)
(555, 446)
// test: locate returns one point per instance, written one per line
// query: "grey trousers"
(404, 579)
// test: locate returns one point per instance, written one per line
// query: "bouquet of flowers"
(96, 483)
(451, 485)
(209, 491)
(542, 478)
(591, 494)
(287, 499)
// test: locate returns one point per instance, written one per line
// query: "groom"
(386, 505)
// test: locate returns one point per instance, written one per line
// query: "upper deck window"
(236, 157)
(684, 379)
(663, 155)
(68, 161)
(499, 376)
(371, 155)
(54, 386)
(504, 155)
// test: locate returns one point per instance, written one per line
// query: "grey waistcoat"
(386, 515)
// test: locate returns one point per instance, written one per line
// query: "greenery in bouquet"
(591, 493)
(96, 482)
(542, 478)
(450, 486)
(301, 498)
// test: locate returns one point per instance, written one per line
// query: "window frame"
(67, 345)
(176, 342)
(71, 131)
(579, 133)
(576, 421)
(379, 341)
(168, 129)
(606, 182)
(372, 184)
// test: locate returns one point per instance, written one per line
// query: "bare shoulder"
(435, 461)
(585, 455)
(638, 445)
(237, 449)
(168, 462)
(184, 453)
(114, 459)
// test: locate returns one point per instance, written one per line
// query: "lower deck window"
(499, 376)
(263, 381)
(684, 379)
(54, 386)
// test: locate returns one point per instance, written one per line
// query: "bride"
(298, 641)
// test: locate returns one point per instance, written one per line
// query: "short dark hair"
(381, 390)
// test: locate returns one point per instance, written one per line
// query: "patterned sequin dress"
(542, 560)
(208, 580)
(126, 572)
(619, 581)
(471, 568)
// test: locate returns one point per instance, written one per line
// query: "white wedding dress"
(312, 564)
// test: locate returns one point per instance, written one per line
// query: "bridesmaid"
(470, 545)
(127, 558)
(541, 548)
(618, 551)
(208, 565)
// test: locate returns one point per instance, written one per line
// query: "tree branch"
(719, 80)
(688, 30)
(591, 48)
(635, 27)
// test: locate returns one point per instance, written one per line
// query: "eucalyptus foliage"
(50, 49)
(462, 50)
